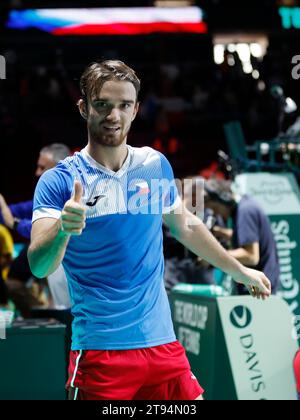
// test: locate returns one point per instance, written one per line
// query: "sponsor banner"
(195, 323)
(261, 347)
(278, 194)
(286, 231)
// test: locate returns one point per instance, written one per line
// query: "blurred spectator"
(18, 216)
(24, 291)
(251, 238)
(6, 250)
(184, 266)
(196, 95)
(181, 265)
(6, 256)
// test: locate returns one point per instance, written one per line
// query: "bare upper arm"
(179, 220)
(41, 226)
(174, 219)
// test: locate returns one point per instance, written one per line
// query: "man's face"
(111, 112)
(44, 163)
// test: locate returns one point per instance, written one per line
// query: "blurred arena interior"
(220, 98)
(185, 95)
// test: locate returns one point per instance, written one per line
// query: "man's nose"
(114, 114)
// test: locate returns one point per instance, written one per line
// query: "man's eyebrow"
(127, 101)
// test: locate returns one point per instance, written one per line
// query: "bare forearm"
(192, 233)
(202, 243)
(47, 251)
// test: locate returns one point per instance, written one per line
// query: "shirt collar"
(108, 171)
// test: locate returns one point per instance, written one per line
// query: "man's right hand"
(73, 216)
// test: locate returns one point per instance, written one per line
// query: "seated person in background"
(18, 217)
(252, 239)
(6, 255)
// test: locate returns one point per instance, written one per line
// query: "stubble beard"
(106, 140)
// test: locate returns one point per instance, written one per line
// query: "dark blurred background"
(192, 84)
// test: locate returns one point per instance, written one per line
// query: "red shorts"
(156, 373)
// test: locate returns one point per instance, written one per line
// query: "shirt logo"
(241, 317)
(95, 200)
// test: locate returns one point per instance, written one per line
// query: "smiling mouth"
(111, 129)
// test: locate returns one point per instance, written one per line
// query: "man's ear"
(82, 109)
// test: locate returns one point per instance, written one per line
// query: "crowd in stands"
(184, 102)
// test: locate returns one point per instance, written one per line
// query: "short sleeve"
(247, 226)
(171, 197)
(53, 190)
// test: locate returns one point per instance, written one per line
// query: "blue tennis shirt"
(115, 268)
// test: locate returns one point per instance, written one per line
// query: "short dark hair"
(97, 73)
(220, 191)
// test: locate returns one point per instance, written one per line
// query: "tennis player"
(100, 213)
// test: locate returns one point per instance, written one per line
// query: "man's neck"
(111, 158)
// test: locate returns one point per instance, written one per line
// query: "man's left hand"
(258, 285)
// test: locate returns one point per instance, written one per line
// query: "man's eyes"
(101, 104)
(126, 106)
(106, 105)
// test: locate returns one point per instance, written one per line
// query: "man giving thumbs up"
(52, 236)
(73, 214)
(123, 343)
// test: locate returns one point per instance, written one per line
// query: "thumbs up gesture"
(73, 215)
